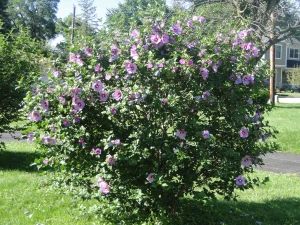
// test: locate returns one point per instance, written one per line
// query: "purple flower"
(56, 73)
(88, 52)
(133, 52)
(155, 39)
(246, 161)
(62, 100)
(77, 119)
(165, 39)
(182, 61)
(75, 91)
(110, 160)
(117, 95)
(78, 104)
(202, 53)
(97, 86)
(135, 34)
(66, 123)
(150, 178)
(238, 80)
(103, 96)
(205, 134)
(130, 67)
(47, 140)
(30, 137)
(204, 73)
(98, 68)
(240, 181)
(96, 151)
(164, 101)
(113, 110)
(103, 186)
(116, 142)
(46, 162)
(35, 116)
(205, 95)
(244, 132)
(255, 52)
(189, 23)
(149, 66)
(248, 79)
(115, 52)
(75, 58)
(176, 28)
(81, 141)
(45, 105)
(181, 134)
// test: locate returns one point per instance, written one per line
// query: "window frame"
(280, 51)
(292, 57)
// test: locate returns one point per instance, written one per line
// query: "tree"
(38, 16)
(135, 12)
(88, 16)
(4, 17)
(258, 14)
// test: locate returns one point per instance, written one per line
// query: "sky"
(65, 7)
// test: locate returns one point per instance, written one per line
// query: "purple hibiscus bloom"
(204, 73)
(150, 178)
(98, 68)
(47, 140)
(97, 86)
(182, 61)
(133, 52)
(78, 104)
(75, 91)
(66, 123)
(113, 110)
(165, 38)
(248, 79)
(177, 29)
(130, 67)
(45, 105)
(88, 52)
(205, 134)
(30, 137)
(116, 142)
(96, 151)
(117, 95)
(205, 95)
(238, 80)
(244, 132)
(110, 160)
(240, 181)
(155, 39)
(135, 34)
(56, 73)
(35, 116)
(181, 134)
(103, 96)
(104, 188)
(246, 161)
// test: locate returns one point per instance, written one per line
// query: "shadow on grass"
(288, 106)
(273, 212)
(13, 160)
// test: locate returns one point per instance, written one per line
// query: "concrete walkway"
(10, 137)
(281, 162)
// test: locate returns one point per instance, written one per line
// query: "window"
(294, 53)
(278, 50)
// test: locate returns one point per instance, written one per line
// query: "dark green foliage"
(38, 16)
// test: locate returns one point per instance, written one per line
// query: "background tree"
(38, 16)
(88, 16)
(258, 14)
(3, 16)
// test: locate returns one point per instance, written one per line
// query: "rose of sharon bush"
(160, 113)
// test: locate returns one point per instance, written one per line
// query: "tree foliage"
(38, 16)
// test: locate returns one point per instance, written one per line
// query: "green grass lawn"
(286, 119)
(25, 199)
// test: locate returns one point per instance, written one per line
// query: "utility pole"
(73, 24)
(272, 62)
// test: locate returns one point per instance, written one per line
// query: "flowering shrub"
(148, 117)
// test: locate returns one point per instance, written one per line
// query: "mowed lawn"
(286, 119)
(26, 199)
